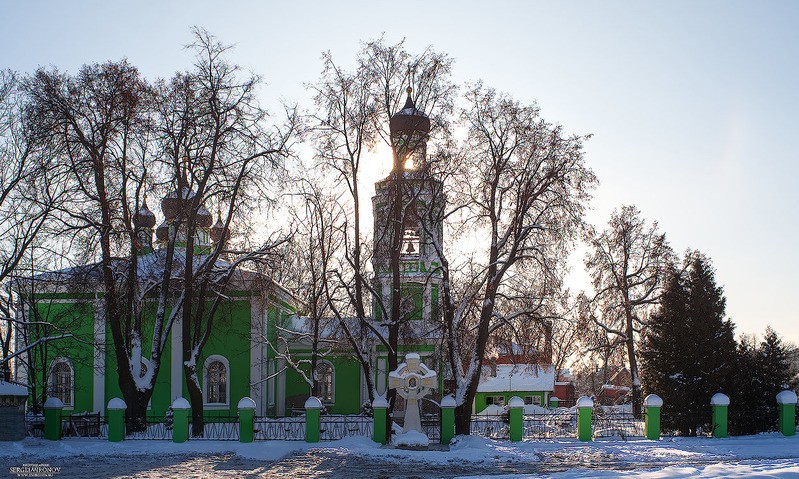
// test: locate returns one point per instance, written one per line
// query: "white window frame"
(332, 399)
(66, 361)
(208, 361)
(533, 398)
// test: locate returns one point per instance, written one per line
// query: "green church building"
(242, 357)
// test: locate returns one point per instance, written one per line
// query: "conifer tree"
(774, 366)
(689, 349)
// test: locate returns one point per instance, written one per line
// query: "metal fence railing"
(154, 428)
(34, 424)
(746, 421)
(339, 426)
(687, 423)
(490, 426)
(561, 423)
(84, 425)
(617, 424)
(557, 423)
(431, 426)
(280, 429)
(219, 428)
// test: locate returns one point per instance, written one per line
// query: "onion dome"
(144, 218)
(217, 229)
(204, 217)
(409, 119)
(172, 206)
(162, 232)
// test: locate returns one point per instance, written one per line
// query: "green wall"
(346, 385)
(77, 318)
(231, 339)
(161, 399)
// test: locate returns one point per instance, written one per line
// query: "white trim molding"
(176, 362)
(98, 393)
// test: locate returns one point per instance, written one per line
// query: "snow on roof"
(613, 387)
(150, 267)
(11, 389)
(519, 377)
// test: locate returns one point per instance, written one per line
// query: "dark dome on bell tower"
(410, 130)
(409, 119)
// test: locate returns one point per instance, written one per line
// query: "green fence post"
(246, 408)
(379, 408)
(720, 403)
(553, 402)
(516, 407)
(787, 419)
(116, 419)
(652, 403)
(180, 420)
(585, 411)
(447, 419)
(52, 418)
(313, 406)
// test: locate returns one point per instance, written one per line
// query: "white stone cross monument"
(413, 381)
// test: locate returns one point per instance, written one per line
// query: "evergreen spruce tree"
(761, 372)
(689, 349)
(744, 388)
(774, 366)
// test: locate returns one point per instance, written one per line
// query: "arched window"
(324, 376)
(62, 381)
(217, 388)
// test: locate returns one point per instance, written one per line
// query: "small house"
(533, 383)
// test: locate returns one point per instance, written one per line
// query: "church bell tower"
(420, 212)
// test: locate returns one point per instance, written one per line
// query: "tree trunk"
(636, 382)
(136, 414)
(196, 401)
(463, 419)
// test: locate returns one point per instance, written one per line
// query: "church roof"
(518, 377)
(88, 278)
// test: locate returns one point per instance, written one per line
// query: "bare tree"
(98, 121)
(627, 266)
(218, 150)
(522, 190)
(352, 116)
(306, 267)
(30, 186)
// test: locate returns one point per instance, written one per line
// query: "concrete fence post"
(585, 411)
(553, 402)
(720, 404)
(787, 419)
(516, 407)
(180, 420)
(246, 409)
(116, 419)
(652, 403)
(313, 407)
(52, 418)
(379, 408)
(447, 419)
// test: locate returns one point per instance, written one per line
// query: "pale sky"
(693, 105)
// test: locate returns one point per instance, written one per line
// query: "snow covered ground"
(762, 456)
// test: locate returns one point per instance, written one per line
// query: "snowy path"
(359, 458)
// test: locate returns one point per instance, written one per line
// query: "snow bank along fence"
(584, 421)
